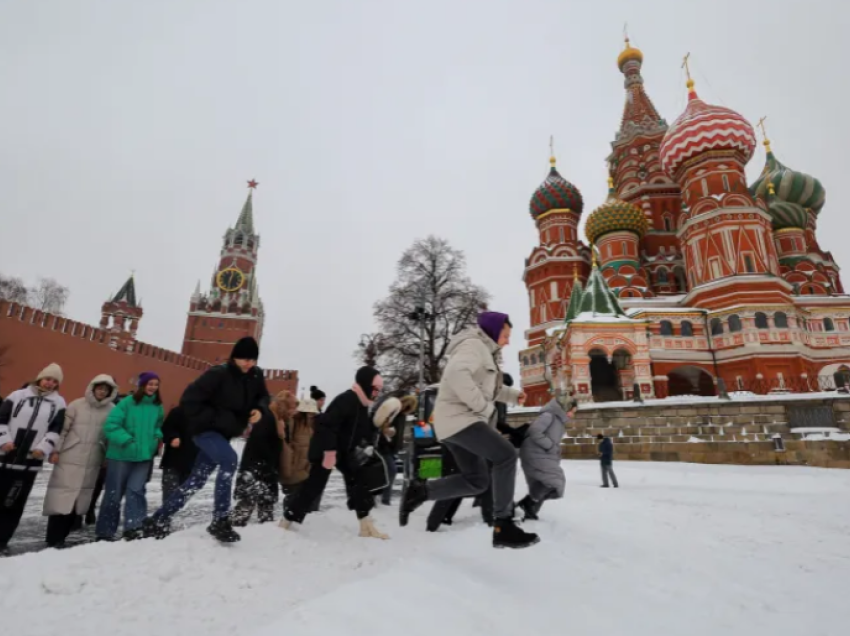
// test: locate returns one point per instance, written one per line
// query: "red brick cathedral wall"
(32, 340)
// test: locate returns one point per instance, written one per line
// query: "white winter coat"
(81, 451)
(31, 421)
(471, 384)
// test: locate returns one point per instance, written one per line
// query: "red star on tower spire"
(252, 184)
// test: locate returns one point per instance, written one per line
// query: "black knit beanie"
(245, 349)
(364, 378)
(316, 393)
(507, 380)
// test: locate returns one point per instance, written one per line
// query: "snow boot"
(368, 529)
(91, 518)
(132, 535)
(78, 523)
(155, 529)
(414, 494)
(529, 508)
(221, 530)
(506, 534)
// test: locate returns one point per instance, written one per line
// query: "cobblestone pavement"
(30, 534)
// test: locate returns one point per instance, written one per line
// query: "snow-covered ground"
(678, 549)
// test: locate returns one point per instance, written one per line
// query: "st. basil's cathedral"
(691, 275)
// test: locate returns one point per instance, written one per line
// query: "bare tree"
(370, 348)
(430, 274)
(13, 290)
(48, 296)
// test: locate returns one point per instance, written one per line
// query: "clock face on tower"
(230, 279)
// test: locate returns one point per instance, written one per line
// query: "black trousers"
(98, 489)
(59, 527)
(256, 488)
(15, 488)
(359, 499)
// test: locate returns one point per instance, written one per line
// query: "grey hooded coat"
(81, 451)
(541, 453)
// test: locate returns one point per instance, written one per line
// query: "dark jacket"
(606, 451)
(342, 427)
(515, 435)
(263, 447)
(179, 459)
(221, 400)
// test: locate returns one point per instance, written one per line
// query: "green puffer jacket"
(133, 431)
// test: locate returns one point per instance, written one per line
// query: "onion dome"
(555, 193)
(791, 186)
(629, 54)
(784, 214)
(705, 128)
(615, 215)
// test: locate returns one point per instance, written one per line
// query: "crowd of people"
(109, 442)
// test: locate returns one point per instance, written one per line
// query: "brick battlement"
(30, 339)
(95, 335)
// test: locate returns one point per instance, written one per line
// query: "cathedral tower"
(232, 309)
(120, 316)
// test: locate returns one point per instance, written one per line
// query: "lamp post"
(420, 315)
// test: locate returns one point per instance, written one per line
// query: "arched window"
(533, 358)
(666, 328)
(725, 183)
(734, 323)
(828, 325)
(668, 224)
(663, 279)
(761, 320)
(687, 328)
(525, 361)
(716, 327)
(624, 248)
(780, 320)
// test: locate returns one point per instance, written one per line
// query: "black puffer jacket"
(221, 400)
(264, 445)
(345, 425)
(182, 458)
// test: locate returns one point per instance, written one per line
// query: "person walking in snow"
(77, 459)
(133, 433)
(319, 397)
(391, 439)
(295, 450)
(606, 460)
(342, 434)
(31, 420)
(259, 471)
(219, 405)
(540, 455)
(179, 452)
(465, 419)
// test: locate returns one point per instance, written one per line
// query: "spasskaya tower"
(232, 309)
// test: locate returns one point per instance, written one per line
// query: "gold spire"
(610, 187)
(552, 160)
(629, 53)
(593, 255)
(770, 189)
(690, 84)
(575, 272)
(764, 133)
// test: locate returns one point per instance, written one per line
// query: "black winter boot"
(132, 535)
(506, 534)
(154, 529)
(223, 531)
(413, 495)
(91, 518)
(529, 508)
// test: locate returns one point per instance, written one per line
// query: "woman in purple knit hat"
(465, 422)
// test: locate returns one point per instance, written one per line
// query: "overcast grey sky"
(128, 131)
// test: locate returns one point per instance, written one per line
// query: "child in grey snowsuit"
(540, 455)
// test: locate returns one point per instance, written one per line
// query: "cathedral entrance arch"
(688, 380)
(604, 383)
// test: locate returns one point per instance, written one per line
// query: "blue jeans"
(215, 451)
(127, 481)
(392, 471)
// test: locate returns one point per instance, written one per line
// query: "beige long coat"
(471, 384)
(81, 452)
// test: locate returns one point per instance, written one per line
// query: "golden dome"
(628, 54)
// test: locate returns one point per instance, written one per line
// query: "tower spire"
(766, 142)
(692, 93)
(552, 160)
(245, 222)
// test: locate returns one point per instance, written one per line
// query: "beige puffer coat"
(81, 452)
(471, 384)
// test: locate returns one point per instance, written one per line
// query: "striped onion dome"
(615, 215)
(785, 214)
(704, 128)
(791, 186)
(555, 193)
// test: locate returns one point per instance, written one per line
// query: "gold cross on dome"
(686, 65)
(761, 125)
